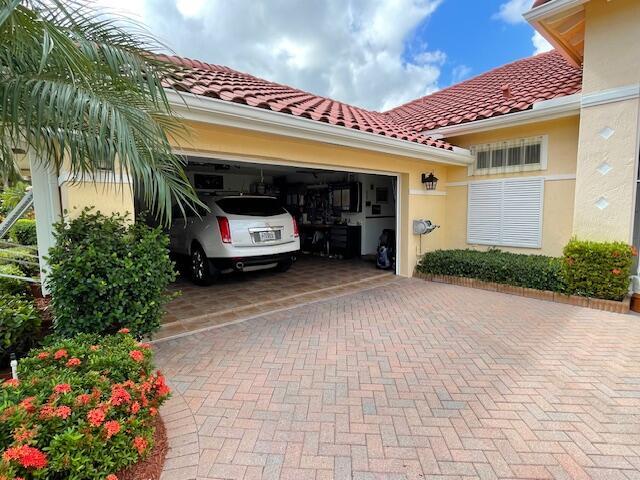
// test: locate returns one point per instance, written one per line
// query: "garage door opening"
(345, 221)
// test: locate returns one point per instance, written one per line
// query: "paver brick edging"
(595, 303)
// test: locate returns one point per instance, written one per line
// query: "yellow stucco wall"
(107, 198)
(258, 147)
(612, 60)
(611, 53)
(558, 194)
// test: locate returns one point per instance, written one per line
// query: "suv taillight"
(225, 229)
(296, 234)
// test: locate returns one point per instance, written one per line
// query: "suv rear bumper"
(239, 263)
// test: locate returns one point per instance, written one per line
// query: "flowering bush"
(598, 269)
(82, 409)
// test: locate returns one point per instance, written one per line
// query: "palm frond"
(78, 87)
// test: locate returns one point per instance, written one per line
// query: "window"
(251, 206)
(506, 212)
(510, 156)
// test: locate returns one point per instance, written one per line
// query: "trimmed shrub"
(529, 271)
(25, 254)
(598, 269)
(106, 274)
(19, 326)
(83, 408)
(12, 286)
(24, 232)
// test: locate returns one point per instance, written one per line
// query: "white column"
(46, 202)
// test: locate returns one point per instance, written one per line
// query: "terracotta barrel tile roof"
(511, 88)
(224, 83)
(514, 87)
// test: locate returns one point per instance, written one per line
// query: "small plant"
(12, 286)
(529, 271)
(19, 326)
(598, 269)
(24, 232)
(83, 408)
(107, 274)
(26, 256)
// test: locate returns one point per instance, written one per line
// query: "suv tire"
(202, 272)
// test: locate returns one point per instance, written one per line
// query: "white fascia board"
(566, 106)
(229, 114)
(551, 9)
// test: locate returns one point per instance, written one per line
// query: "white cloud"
(540, 43)
(350, 50)
(460, 73)
(511, 11)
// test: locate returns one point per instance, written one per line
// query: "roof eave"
(560, 107)
(541, 18)
(219, 112)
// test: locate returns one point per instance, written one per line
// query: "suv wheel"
(201, 271)
(284, 265)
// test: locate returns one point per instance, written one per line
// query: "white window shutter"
(506, 212)
(522, 212)
(484, 214)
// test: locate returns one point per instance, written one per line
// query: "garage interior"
(340, 215)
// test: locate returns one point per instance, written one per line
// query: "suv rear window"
(251, 206)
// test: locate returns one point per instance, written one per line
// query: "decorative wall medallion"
(604, 168)
(606, 133)
(602, 203)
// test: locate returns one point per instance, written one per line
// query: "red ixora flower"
(145, 346)
(23, 434)
(119, 396)
(47, 411)
(111, 476)
(124, 330)
(153, 411)
(140, 444)
(136, 355)
(135, 407)
(96, 416)
(12, 382)
(62, 388)
(63, 412)
(43, 355)
(62, 353)
(616, 271)
(83, 399)
(73, 362)
(94, 348)
(28, 457)
(112, 427)
(27, 404)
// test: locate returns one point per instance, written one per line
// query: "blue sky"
(473, 36)
(375, 54)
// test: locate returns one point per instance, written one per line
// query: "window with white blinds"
(516, 155)
(506, 212)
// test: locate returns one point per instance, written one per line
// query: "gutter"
(566, 106)
(219, 112)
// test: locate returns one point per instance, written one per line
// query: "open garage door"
(339, 227)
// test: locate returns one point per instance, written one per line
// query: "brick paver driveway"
(411, 380)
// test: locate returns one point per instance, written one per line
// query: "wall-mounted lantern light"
(430, 181)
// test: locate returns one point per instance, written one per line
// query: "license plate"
(267, 236)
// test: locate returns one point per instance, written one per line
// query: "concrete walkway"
(410, 380)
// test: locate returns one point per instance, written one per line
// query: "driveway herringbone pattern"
(411, 380)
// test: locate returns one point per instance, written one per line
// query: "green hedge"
(24, 232)
(12, 286)
(598, 269)
(19, 325)
(106, 274)
(530, 271)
